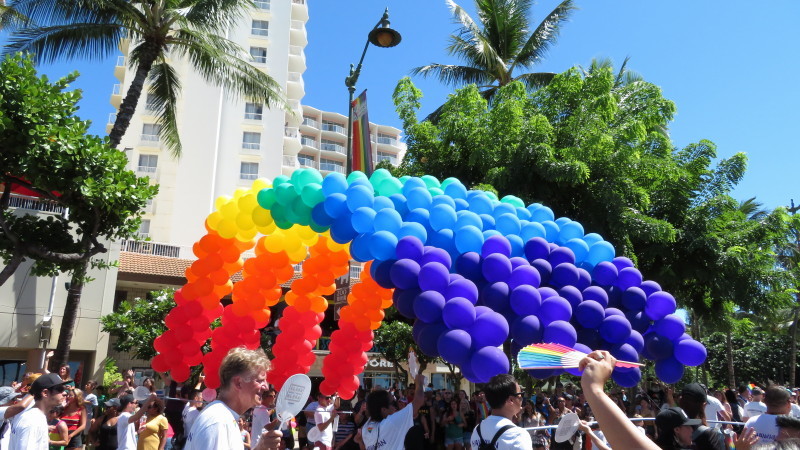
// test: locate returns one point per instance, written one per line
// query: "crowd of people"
(47, 411)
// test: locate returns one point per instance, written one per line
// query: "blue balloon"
(320, 216)
(650, 286)
(550, 230)
(517, 246)
(591, 238)
(508, 224)
(560, 332)
(523, 213)
(480, 204)
(380, 273)
(405, 273)
(629, 277)
(461, 204)
(342, 232)
(404, 301)
(488, 223)
(438, 255)
(525, 300)
(578, 247)
(400, 203)
(496, 244)
(419, 198)
(634, 299)
(600, 251)
(419, 215)
(690, 352)
(541, 213)
(383, 245)
(428, 306)
(456, 190)
(669, 370)
(504, 208)
(563, 221)
(468, 218)
(334, 183)
(458, 313)
(360, 248)
(489, 329)
(434, 276)
(604, 273)
(496, 267)
(671, 326)
(561, 255)
(444, 239)
(382, 202)
(572, 295)
(429, 338)
(627, 377)
(469, 239)
(636, 341)
(659, 304)
(469, 265)
(443, 216)
(658, 346)
(615, 329)
(554, 309)
(454, 346)
(524, 275)
(496, 296)
(597, 294)
(358, 196)
(412, 183)
(443, 200)
(410, 248)
(571, 230)
(527, 330)
(336, 205)
(413, 229)
(489, 361)
(589, 314)
(532, 230)
(462, 288)
(564, 274)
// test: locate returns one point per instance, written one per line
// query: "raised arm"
(419, 393)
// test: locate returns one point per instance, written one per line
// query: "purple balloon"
(615, 329)
(614, 312)
(590, 314)
(482, 311)
(554, 309)
(518, 261)
(458, 313)
(627, 377)
(658, 346)
(581, 348)
(428, 306)
(650, 286)
(625, 352)
(560, 332)
(496, 244)
(614, 296)
(496, 267)
(561, 255)
(469, 265)
(409, 248)
(404, 301)
(629, 277)
(669, 370)
(636, 341)
(544, 268)
(633, 298)
(597, 294)
(380, 271)
(564, 274)
(639, 320)
(605, 273)
(462, 288)
(405, 273)
(489, 329)
(433, 254)
(536, 248)
(495, 296)
(527, 330)
(690, 352)
(671, 326)
(572, 295)
(434, 276)
(659, 304)
(584, 279)
(428, 338)
(525, 300)
(454, 346)
(488, 362)
(622, 262)
(524, 275)
(683, 337)
(547, 292)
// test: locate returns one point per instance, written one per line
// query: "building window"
(251, 140)
(144, 229)
(248, 171)
(150, 103)
(331, 165)
(305, 160)
(147, 163)
(262, 4)
(253, 111)
(332, 146)
(259, 55)
(387, 139)
(310, 121)
(260, 28)
(333, 126)
(391, 157)
(308, 140)
(150, 132)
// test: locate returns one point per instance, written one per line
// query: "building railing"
(262, 5)
(295, 77)
(150, 248)
(336, 128)
(306, 162)
(290, 161)
(387, 140)
(251, 145)
(297, 25)
(295, 50)
(299, 2)
(146, 169)
(338, 148)
(120, 61)
(295, 104)
(112, 118)
(307, 121)
(292, 132)
(150, 138)
(308, 142)
(34, 204)
(117, 90)
(331, 167)
(248, 176)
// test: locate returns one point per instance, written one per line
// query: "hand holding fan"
(556, 356)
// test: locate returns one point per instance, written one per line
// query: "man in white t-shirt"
(261, 415)
(324, 417)
(777, 402)
(29, 431)
(243, 377)
(128, 422)
(505, 398)
(795, 407)
(386, 428)
(755, 406)
(309, 412)
(193, 408)
(712, 409)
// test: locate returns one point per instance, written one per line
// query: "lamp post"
(380, 36)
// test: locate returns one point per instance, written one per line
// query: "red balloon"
(180, 373)
(160, 363)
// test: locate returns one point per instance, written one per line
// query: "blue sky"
(730, 66)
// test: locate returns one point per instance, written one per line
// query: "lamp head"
(382, 35)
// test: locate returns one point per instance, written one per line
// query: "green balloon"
(405, 178)
(279, 180)
(513, 201)
(449, 181)
(278, 213)
(283, 225)
(312, 194)
(435, 191)
(356, 175)
(390, 187)
(491, 195)
(308, 176)
(317, 227)
(285, 193)
(431, 181)
(266, 198)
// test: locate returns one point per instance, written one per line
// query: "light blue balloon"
(412, 183)
(443, 200)
(455, 189)
(358, 196)
(480, 204)
(570, 230)
(388, 220)
(468, 218)
(419, 198)
(517, 246)
(523, 214)
(489, 233)
(508, 224)
(578, 247)
(488, 222)
(443, 216)
(503, 208)
(413, 229)
(591, 238)
(551, 230)
(542, 214)
(363, 219)
(383, 245)
(562, 220)
(334, 183)
(492, 196)
(600, 251)
(469, 239)
(382, 202)
(531, 230)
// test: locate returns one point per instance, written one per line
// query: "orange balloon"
(284, 273)
(190, 276)
(234, 267)
(239, 309)
(362, 324)
(261, 315)
(375, 316)
(302, 304)
(219, 276)
(291, 298)
(319, 304)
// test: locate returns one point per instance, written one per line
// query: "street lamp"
(380, 36)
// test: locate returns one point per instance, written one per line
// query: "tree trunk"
(793, 352)
(61, 354)
(12, 266)
(729, 359)
(128, 105)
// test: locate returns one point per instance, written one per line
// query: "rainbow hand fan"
(556, 356)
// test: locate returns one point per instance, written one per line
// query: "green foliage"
(111, 374)
(137, 323)
(759, 356)
(394, 340)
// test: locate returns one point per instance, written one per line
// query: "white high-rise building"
(228, 143)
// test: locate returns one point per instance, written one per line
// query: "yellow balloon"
(246, 235)
(227, 229)
(220, 201)
(248, 202)
(239, 192)
(267, 230)
(229, 210)
(274, 243)
(292, 240)
(245, 222)
(262, 218)
(297, 255)
(259, 184)
(213, 220)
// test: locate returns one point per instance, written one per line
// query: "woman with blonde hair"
(74, 416)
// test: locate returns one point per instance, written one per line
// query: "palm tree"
(159, 31)
(9, 16)
(497, 44)
(624, 76)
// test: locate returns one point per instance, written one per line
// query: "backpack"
(483, 445)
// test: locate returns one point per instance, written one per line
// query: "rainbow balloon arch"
(472, 270)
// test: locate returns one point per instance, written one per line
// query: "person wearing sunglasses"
(505, 398)
(153, 433)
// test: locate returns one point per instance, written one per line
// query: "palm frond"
(217, 15)
(52, 12)
(545, 35)
(505, 24)
(453, 75)
(11, 18)
(77, 40)
(535, 80)
(471, 44)
(165, 86)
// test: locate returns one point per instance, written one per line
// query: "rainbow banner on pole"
(362, 148)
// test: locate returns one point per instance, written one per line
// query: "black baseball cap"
(125, 400)
(673, 417)
(46, 381)
(694, 391)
